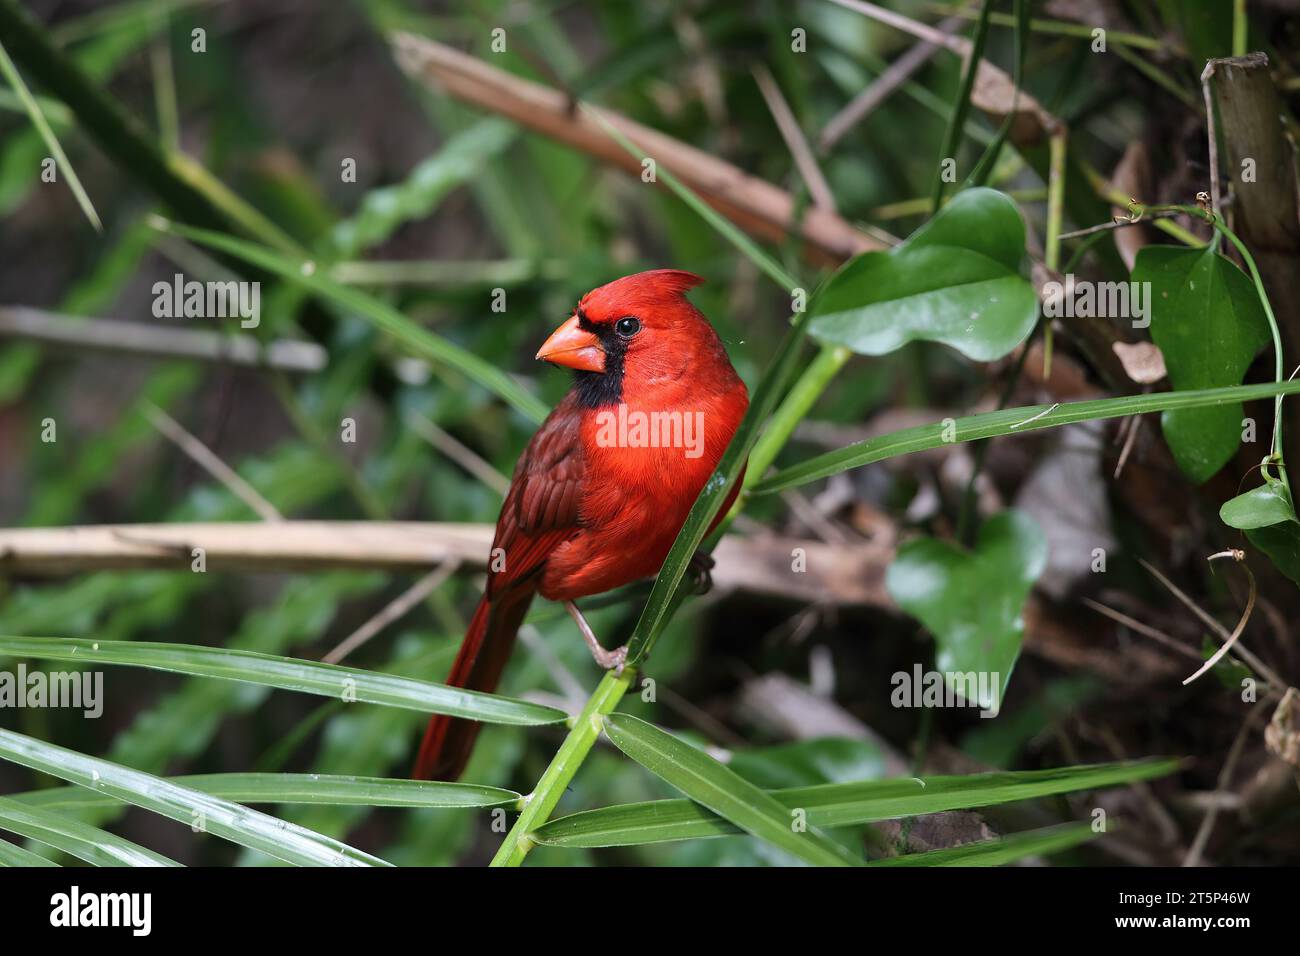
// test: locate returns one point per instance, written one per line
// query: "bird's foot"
(699, 568)
(615, 659)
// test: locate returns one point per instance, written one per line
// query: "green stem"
(957, 119)
(1279, 367)
(583, 733)
(1055, 213)
(798, 402)
(1055, 197)
(1239, 28)
(164, 87)
(1106, 191)
(10, 73)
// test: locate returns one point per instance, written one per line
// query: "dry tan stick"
(852, 575)
(458, 452)
(209, 462)
(994, 91)
(394, 610)
(1238, 556)
(1129, 441)
(807, 512)
(163, 341)
(1246, 653)
(754, 204)
(794, 138)
(1118, 224)
(862, 105)
(1144, 629)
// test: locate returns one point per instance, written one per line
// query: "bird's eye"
(628, 326)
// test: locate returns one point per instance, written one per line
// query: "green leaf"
(1009, 421)
(441, 352)
(251, 828)
(1008, 849)
(841, 804)
(1209, 325)
(956, 280)
(721, 789)
(13, 855)
(1269, 504)
(971, 601)
(1268, 517)
(95, 846)
(288, 673)
(299, 788)
(1281, 542)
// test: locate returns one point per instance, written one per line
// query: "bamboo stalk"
(845, 575)
(754, 204)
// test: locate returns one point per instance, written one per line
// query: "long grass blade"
(299, 788)
(202, 812)
(999, 852)
(718, 787)
(1007, 422)
(13, 855)
(348, 684)
(81, 840)
(841, 804)
(51, 141)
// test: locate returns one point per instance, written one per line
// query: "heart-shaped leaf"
(1207, 320)
(1260, 507)
(956, 280)
(971, 601)
(1267, 515)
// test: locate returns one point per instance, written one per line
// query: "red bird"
(602, 489)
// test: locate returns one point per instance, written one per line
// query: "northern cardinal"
(602, 489)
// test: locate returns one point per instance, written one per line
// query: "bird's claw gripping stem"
(700, 568)
(610, 660)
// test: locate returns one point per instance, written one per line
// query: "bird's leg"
(699, 568)
(606, 659)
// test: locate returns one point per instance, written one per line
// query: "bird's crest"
(653, 287)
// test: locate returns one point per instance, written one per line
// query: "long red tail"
(448, 741)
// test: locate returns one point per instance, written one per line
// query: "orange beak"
(574, 347)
